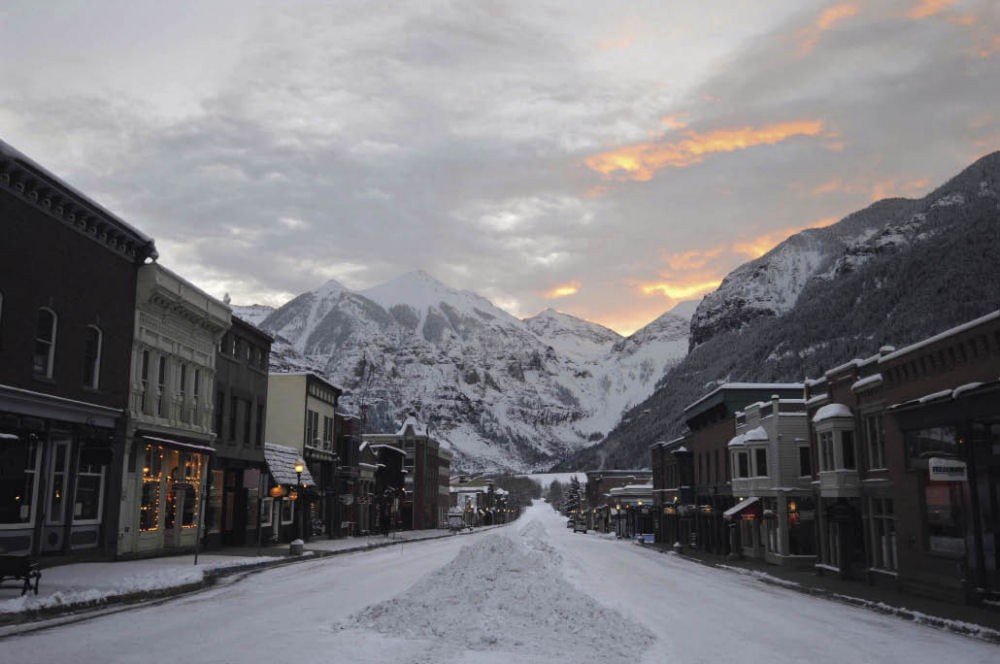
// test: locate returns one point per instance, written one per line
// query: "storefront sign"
(947, 470)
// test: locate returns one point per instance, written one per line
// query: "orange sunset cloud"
(641, 161)
(680, 291)
(563, 291)
(830, 17)
(928, 8)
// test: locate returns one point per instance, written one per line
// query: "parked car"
(570, 523)
(580, 527)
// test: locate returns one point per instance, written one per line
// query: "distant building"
(428, 463)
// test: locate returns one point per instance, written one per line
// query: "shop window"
(92, 356)
(935, 441)
(213, 508)
(58, 481)
(18, 473)
(45, 343)
(152, 473)
(287, 511)
(266, 508)
(945, 532)
(883, 525)
(89, 499)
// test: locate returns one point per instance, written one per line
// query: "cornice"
(30, 183)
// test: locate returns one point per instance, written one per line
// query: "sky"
(604, 159)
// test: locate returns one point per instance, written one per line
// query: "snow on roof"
(737, 441)
(867, 382)
(281, 462)
(815, 399)
(832, 410)
(755, 435)
(412, 421)
(745, 386)
(938, 337)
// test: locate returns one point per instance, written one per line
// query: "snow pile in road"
(506, 594)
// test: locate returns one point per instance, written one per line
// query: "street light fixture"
(299, 467)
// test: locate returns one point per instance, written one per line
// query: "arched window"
(45, 343)
(92, 357)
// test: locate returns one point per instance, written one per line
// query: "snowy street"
(533, 591)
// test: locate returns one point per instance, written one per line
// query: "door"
(57, 496)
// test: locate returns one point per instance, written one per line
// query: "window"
(876, 445)
(312, 428)
(327, 433)
(259, 438)
(161, 383)
(45, 342)
(220, 402)
(805, 461)
(288, 511)
(847, 449)
(234, 406)
(945, 530)
(247, 416)
(196, 399)
(760, 462)
(826, 451)
(89, 491)
(266, 507)
(743, 464)
(144, 381)
(883, 524)
(59, 481)
(182, 394)
(92, 356)
(18, 470)
(149, 508)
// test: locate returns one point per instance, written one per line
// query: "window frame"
(50, 343)
(92, 365)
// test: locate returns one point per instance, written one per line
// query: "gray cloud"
(355, 143)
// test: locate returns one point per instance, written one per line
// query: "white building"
(177, 329)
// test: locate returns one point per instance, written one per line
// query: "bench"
(20, 568)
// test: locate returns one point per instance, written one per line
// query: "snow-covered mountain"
(253, 314)
(892, 274)
(504, 392)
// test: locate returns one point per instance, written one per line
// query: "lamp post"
(299, 466)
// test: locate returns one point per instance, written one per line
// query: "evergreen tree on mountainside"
(902, 289)
(574, 496)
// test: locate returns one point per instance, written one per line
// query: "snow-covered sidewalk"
(79, 586)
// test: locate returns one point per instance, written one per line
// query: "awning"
(741, 507)
(176, 444)
(281, 464)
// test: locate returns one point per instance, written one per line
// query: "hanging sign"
(947, 470)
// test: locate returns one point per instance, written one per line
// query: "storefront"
(56, 458)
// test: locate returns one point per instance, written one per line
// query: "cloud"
(562, 291)
(641, 161)
(828, 19)
(929, 8)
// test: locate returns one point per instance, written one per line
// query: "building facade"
(68, 271)
(237, 475)
(302, 412)
(170, 439)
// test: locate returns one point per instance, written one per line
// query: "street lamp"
(300, 466)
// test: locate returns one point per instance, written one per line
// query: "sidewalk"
(976, 621)
(88, 586)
